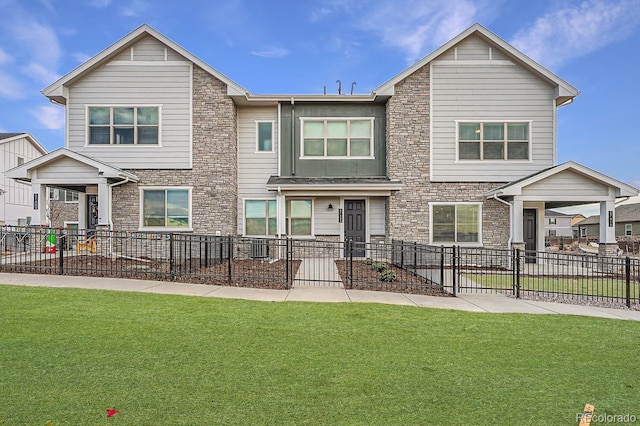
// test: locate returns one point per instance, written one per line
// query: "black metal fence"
(275, 263)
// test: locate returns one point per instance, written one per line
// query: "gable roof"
(56, 91)
(515, 188)
(553, 213)
(564, 91)
(9, 137)
(624, 213)
(23, 172)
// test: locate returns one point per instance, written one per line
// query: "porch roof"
(563, 185)
(29, 171)
(297, 183)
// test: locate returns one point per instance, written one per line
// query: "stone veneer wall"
(408, 142)
(214, 176)
(61, 212)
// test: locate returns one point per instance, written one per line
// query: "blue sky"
(303, 46)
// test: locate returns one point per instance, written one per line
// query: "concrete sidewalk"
(493, 303)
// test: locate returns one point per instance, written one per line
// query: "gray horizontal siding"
(558, 184)
(487, 90)
(377, 216)
(325, 220)
(167, 84)
(66, 169)
(254, 169)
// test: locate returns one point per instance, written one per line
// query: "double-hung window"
(123, 125)
(299, 217)
(337, 138)
(166, 208)
(493, 141)
(260, 217)
(628, 229)
(455, 223)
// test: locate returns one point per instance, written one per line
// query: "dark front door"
(354, 225)
(92, 211)
(529, 233)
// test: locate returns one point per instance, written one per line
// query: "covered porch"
(565, 185)
(93, 181)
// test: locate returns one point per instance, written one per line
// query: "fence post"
(453, 269)
(349, 247)
(172, 260)
(286, 263)
(402, 254)
(415, 255)
(517, 273)
(60, 249)
(627, 273)
(230, 250)
(441, 267)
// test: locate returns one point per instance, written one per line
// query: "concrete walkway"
(493, 303)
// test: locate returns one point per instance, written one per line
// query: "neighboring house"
(459, 148)
(627, 222)
(16, 203)
(557, 224)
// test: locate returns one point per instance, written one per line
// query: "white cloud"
(135, 8)
(81, 57)
(271, 52)
(40, 41)
(50, 116)
(577, 30)
(4, 57)
(10, 88)
(41, 73)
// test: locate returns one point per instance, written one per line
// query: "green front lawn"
(67, 355)
(587, 286)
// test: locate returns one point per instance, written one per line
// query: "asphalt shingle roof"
(624, 213)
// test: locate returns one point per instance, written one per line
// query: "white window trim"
(454, 203)
(331, 157)
(141, 226)
(20, 158)
(244, 217)
(72, 201)
(628, 227)
(313, 226)
(478, 120)
(145, 146)
(273, 140)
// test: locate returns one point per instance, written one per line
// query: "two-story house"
(459, 148)
(16, 199)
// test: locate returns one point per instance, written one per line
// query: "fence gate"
(317, 263)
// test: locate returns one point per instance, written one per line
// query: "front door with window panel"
(355, 225)
(530, 235)
(92, 211)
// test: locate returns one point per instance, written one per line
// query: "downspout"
(495, 197)
(293, 136)
(122, 182)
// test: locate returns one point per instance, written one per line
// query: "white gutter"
(495, 197)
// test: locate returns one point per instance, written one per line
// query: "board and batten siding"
(146, 74)
(255, 168)
(476, 82)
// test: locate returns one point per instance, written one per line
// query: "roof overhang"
(25, 172)
(30, 138)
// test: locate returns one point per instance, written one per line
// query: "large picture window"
(455, 223)
(337, 138)
(493, 141)
(299, 217)
(123, 125)
(260, 217)
(166, 208)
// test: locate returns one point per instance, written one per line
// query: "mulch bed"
(253, 273)
(365, 278)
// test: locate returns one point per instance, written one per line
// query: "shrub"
(379, 266)
(368, 261)
(388, 276)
